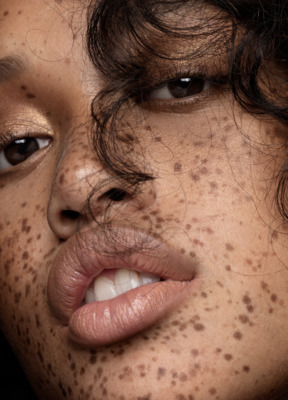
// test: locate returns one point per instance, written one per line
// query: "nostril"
(69, 215)
(115, 194)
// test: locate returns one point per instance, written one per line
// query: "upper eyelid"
(10, 137)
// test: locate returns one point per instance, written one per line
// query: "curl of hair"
(121, 39)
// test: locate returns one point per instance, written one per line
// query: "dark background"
(13, 383)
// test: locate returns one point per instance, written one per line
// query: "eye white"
(4, 161)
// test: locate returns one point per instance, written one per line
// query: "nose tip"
(82, 193)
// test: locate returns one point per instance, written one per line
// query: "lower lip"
(112, 320)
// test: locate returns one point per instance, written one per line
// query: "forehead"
(46, 24)
(42, 36)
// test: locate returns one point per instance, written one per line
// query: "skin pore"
(212, 202)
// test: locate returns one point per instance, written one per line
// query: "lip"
(85, 255)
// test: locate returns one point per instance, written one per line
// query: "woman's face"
(215, 326)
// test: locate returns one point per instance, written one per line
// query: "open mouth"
(103, 290)
(113, 283)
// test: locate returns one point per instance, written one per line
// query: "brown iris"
(20, 150)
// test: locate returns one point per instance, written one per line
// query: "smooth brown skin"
(213, 199)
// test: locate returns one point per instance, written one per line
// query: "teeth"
(125, 279)
(90, 296)
(148, 278)
(104, 289)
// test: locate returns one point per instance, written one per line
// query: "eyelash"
(9, 138)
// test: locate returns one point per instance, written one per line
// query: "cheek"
(22, 280)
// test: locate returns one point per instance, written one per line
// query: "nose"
(82, 191)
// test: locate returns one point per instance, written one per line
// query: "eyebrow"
(11, 66)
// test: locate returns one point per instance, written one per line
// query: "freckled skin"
(211, 201)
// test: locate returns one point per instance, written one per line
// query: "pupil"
(20, 150)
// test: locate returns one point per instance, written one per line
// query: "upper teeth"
(125, 279)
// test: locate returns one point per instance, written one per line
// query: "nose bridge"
(76, 171)
(76, 174)
(80, 179)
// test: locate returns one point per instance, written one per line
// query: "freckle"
(188, 227)
(180, 397)
(198, 242)
(246, 368)
(204, 294)
(246, 299)
(157, 139)
(250, 309)
(39, 354)
(7, 268)
(177, 167)
(229, 247)
(27, 290)
(243, 318)
(275, 235)
(73, 366)
(212, 391)
(37, 320)
(237, 335)
(30, 96)
(228, 267)
(93, 359)
(273, 297)
(25, 255)
(161, 372)
(199, 327)
(228, 357)
(5, 13)
(218, 350)
(195, 177)
(61, 179)
(183, 377)
(213, 185)
(17, 297)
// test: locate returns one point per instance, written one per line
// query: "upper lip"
(88, 253)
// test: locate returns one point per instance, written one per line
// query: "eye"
(179, 88)
(19, 150)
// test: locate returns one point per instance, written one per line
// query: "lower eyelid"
(185, 104)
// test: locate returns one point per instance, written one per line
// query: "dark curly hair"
(122, 39)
